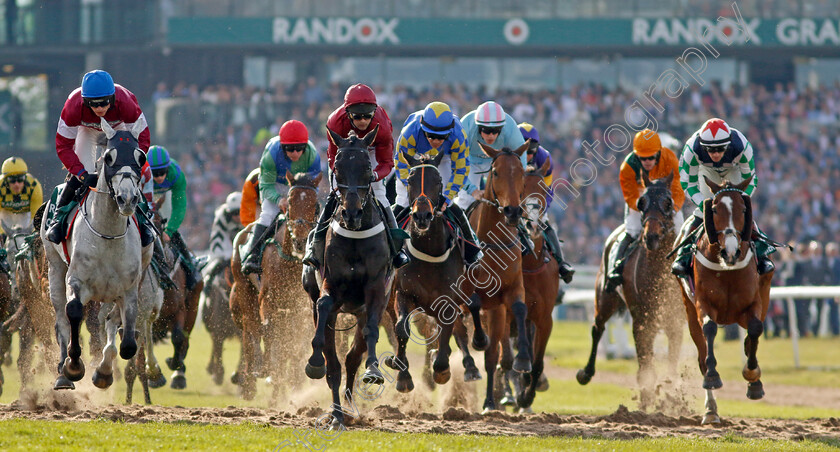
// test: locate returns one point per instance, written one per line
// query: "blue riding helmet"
(529, 132)
(158, 157)
(437, 118)
(97, 84)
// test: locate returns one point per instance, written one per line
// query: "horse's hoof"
(507, 400)
(480, 343)
(102, 381)
(178, 382)
(526, 410)
(63, 382)
(373, 376)
(389, 361)
(583, 377)
(488, 409)
(405, 384)
(710, 418)
(158, 382)
(235, 378)
(219, 378)
(712, 381)
(522, 365)
(128, 348)
(755, 390)
(472, 374)
(316, 372)
(73, 372)
(751, 375)
(337, 424)
(443, 376)
(542, 383)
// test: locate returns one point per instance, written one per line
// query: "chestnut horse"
(428, 284)
(728, 288)
(498, 278)
(647, 290)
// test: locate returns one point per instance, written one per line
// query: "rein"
(90, 226)
(423, 196)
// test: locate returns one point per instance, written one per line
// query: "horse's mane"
(302, 179)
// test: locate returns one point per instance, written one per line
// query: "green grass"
(21, 434)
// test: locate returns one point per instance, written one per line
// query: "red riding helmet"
(293, 132)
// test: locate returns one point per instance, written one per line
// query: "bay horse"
(429, 282)
(647, 290)
(356, 274)
(541, 280)
(101, 259)
(498, 278)
(727, 288)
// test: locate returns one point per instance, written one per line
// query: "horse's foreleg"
(751, 372)
(130, 376)
(480, 339)
(403, 331)
(316, 368)
(502, 391)
(62, 324)
(333, 368)
(643, 335)
(103, 376)
(354, 356)
(711, 380)
(543, 328)
(711, 416)
(605, 306)
(140, 359)
(471, 372)
(128, 312)
(74, 310)
(441, 364)
(522, 362)
(496, 323)
(375, 301)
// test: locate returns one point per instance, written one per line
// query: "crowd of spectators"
(793, 131)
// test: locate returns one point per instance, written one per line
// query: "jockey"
(488, 124)
(722, 154)
(250, 202)
(20, 197)
(171, 204)
(290, 151)
(78, 133)
(537, 156)
(224, 229)
(360, 113)
(648, 156)
(429, 132)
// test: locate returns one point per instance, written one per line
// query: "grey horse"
(101, 260)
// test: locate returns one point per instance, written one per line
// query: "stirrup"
(55, 234)
(400, 259)
(765, 265)
(249, 266)
(680, 270)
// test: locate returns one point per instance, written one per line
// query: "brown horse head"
(534, 198)
(424, 189)
(505, 181)
(657, 209)
(353, 175)
(303, 208)
(728, 219)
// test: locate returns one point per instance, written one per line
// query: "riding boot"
(616, 261)
(763, 249)
(566, 270)
(253, 262)
(57, 231)
(147, 233)
(161, 267)
(396, 238)
(315, 242)
(191, 270)
(472, 249)
(682, 266)
(400, 213)
(525, 242)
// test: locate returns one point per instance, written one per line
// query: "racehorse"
(178, 315)
(216, 316)
(356, 274)
(428, 283)
(541, 280)
(498, 278)
(648, 292)
(727, 288)
(145, 364)
(243, 303)
(101, 259)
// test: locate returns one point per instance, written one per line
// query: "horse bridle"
(495, 201)
(123, 175)
(668, 214)
(712, 234)
(423, 196)
(356, 188)
(303, 221)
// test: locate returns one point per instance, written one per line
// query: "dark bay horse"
(429, 282)
(498, 278)
(357, 274)
(727, 288)
(648, 291)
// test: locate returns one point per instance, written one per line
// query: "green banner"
(407, 32)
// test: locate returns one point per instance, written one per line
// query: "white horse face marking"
(730, 238)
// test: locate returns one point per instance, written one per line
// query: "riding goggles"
(16, 179)
(715, 149)
(160, 172)
(98, 102)
(652, 157)
(490, 130)
(358, 116)
(289, 148)
(437, 136)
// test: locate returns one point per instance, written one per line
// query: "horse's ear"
(334, 137)
(140, 157)
(521, 149)
(546, 166)
(489, 151)
(645, 179)
(110, 157)
(744, 184)
(438, 158)
(137, 129)
(290, 178)
(411, 160)
(709, 221)
(668, 179)
(371, 136)
(109, 131)
(317, 180)
(713, 186)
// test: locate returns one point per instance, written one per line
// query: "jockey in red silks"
(361, 114)
(79, 136)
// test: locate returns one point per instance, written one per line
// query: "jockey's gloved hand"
(88, 180)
